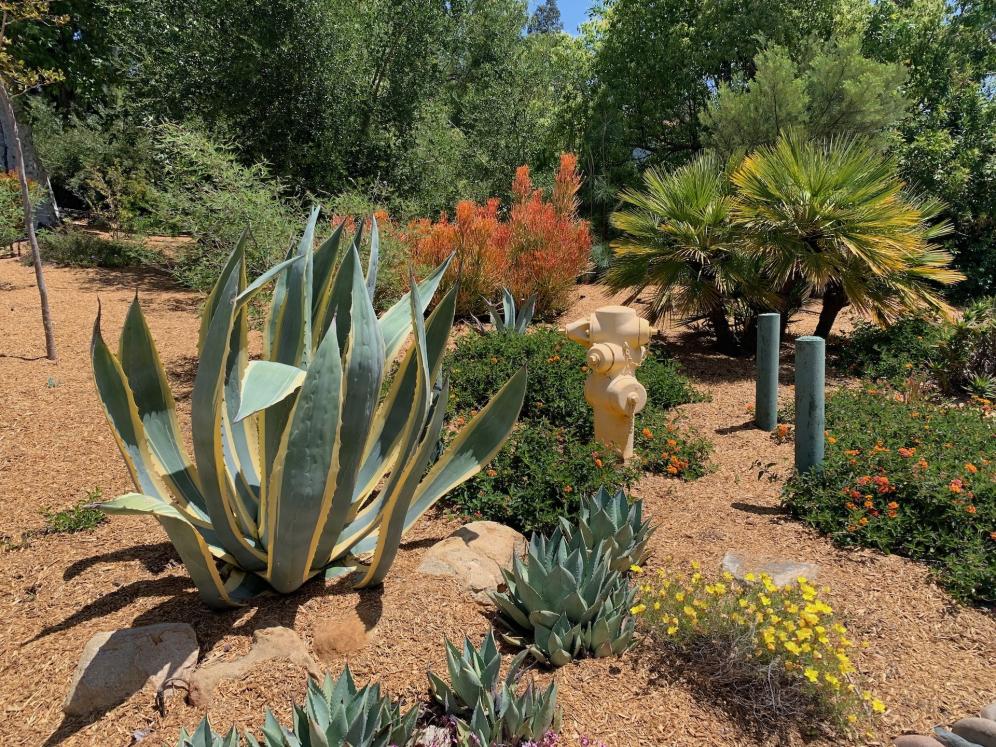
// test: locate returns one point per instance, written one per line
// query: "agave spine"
(299, 468)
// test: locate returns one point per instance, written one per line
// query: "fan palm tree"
(833, 218)
(677, 239)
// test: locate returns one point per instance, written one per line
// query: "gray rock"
(474, 555)
(979, 730)
(782, 572)
(916, 740)
(267, 643)
(989, 712)
(950, 739)
(116, 664)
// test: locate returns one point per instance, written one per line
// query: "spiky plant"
(564, 601)
(509, 320)
(335, 713)
(300, 467)
(612, 519)
(833, 217)
(486, 706)
(677, 240)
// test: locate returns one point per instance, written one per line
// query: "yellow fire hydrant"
(617, 340)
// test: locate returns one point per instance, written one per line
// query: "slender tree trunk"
(725, 338)
(834, 301)
(29, 224)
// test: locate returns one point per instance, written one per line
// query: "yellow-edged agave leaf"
(388, 426)
(156, 407)
(363, 374)
(474, 446)
(374, 261)
(211, 303)
(197, 555)
(266, 383)
(207, 411)
(323, 272)
(396, 322)
(305, 472)
(393, 492)
(400, 492)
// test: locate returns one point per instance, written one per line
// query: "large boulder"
(268, 643)
(475, 555)
(782, 572)
(981, 731)
(916, 740)
(116, 664)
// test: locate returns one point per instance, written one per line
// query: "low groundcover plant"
(780, 652)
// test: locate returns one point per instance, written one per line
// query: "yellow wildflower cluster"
(790, 627)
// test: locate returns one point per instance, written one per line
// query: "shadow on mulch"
(184, 604)
(129, 279)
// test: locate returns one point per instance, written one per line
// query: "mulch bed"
(930, 659)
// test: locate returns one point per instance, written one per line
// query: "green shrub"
(552, 458)
(912, 478)
(11, 207)
(201, 189)
(84, 249)
(889, 353)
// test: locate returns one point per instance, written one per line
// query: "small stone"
(268, 643)
(114, 665)
(474, 555)
(916, 740)
(950, 739)
(982, 731)
(989, 712)
(782, 572)
(339, 637)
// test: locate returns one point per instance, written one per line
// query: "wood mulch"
(932, 660)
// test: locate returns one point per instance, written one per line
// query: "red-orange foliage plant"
(540, 246)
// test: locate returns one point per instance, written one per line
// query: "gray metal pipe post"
(766, 388)
(810, 384)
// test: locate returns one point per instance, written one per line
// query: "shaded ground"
(932, 660)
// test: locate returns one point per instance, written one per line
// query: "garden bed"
(931, 658)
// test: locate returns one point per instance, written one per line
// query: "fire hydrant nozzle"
(616, 339)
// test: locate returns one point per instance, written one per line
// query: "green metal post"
(810, 422)
(766, 388)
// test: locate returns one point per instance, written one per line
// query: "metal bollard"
(766, 388)
(810, 384)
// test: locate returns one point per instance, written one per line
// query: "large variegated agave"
(487, 708)
(300, 467)
(335, 714)
(611, 518)
(564, 601)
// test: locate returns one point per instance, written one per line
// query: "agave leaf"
(266, 383)
(525, 315)
(323, 274)
(304, 474)
(195, 553)
(153, 398)
(473, 448)
(231, 267)
(396, 322)
(508, 302)
(374, 261)
(247, 293)
(363, 374)
(206, 423)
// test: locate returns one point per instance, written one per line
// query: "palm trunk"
(834, 301)
(29, 224)
(725, 338)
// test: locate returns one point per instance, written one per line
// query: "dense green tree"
(832, 91)
(546, 18)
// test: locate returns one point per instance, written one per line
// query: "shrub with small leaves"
(78, 518)
(778, 652)
(912, 478)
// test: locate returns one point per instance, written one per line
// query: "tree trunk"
(47, 212)
(834, 301)
(726, 340)
(29, 223)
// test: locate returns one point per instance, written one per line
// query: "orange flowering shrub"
(912, 478)
(539, 246)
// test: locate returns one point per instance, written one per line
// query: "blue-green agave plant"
(300, 467)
